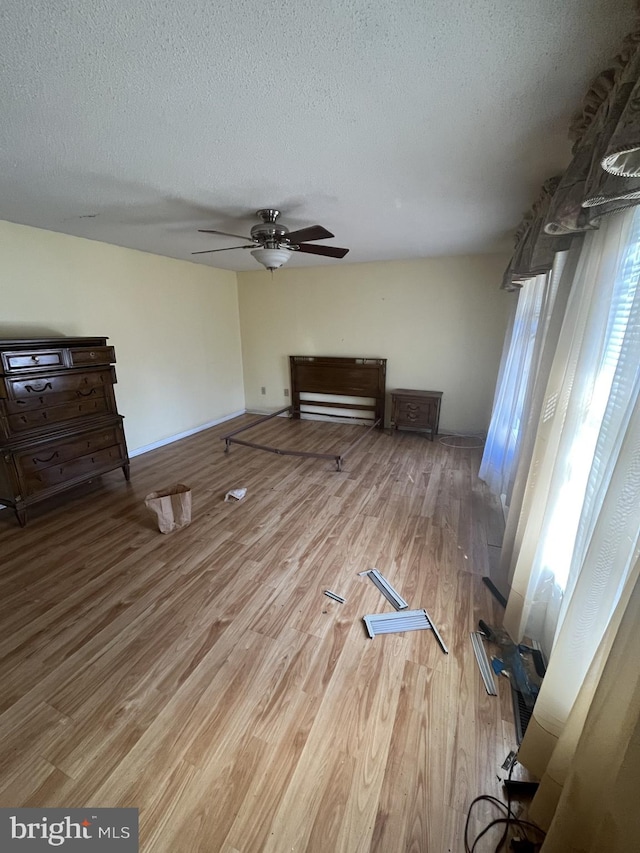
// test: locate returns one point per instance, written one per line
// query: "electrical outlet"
(286, 392)
(263, 390)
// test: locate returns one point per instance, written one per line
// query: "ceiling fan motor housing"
(268, 233)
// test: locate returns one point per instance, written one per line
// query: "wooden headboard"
(339, 377)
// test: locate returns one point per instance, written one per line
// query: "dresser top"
(30, 343)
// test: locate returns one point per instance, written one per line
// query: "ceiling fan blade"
(224, 234)
(227, 249)
(313, 232)
(329, 251)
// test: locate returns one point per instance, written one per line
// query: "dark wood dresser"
(59, 425)
(416, 410)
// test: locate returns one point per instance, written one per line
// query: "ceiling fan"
(273, 243)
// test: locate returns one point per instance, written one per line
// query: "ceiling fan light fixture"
(272, 259)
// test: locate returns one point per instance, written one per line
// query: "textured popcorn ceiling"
(409, 128)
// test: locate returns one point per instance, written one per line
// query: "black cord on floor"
(510, 820)
(510, 814)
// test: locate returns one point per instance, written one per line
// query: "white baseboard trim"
(480, 434)
(147, 447)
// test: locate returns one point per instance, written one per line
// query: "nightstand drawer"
(417, 411)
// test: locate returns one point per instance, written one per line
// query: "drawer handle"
(35, 390)
(53, 456)
(92, 354)
(35, 359)
(87, 394)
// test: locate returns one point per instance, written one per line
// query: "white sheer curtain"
(580, 429)
(575, 540)
(516, 499)
(500, 449)
(519, 366)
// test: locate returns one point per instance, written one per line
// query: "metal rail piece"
(255, 423)
(333, 595)
(337, 458)
(483, 663)
(437, 633)
(386, 589)
(405, 620)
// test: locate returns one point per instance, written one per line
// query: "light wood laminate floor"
(204, 678)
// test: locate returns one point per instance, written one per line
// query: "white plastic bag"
(235, 495)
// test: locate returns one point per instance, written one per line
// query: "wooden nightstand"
(416, 410)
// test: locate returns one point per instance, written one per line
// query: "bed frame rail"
(328, 375)
(338, 458)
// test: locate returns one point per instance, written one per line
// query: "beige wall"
(183, 332)
(440, 322)
(174, 324)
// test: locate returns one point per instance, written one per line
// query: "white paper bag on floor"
(172, 507)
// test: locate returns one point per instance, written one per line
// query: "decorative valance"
(535, 250)
(602, 177)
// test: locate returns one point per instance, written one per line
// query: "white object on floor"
(235, 494)
(402, 620)
(386, 589)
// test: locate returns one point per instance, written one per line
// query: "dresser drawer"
(80, 382)
(84, 356)
(37, 359)
(48, 416)
(55, 453)
(43, 401)
(78, 468)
